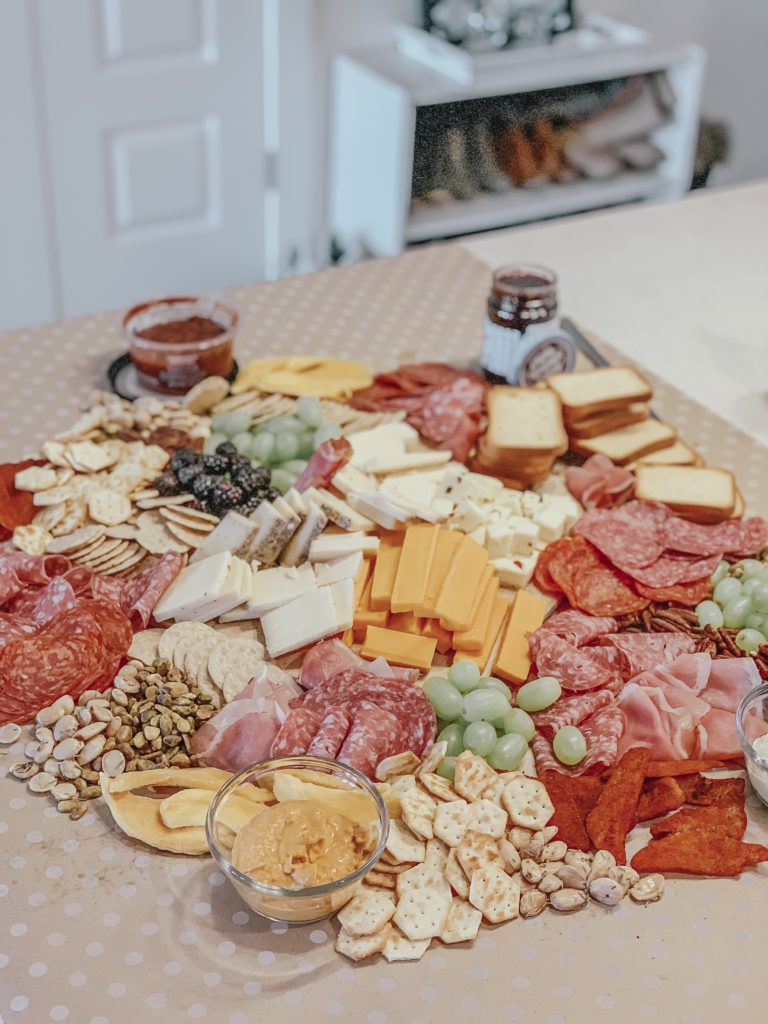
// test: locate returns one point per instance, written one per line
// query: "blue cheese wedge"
(331, 546)
(300, 622)
(234, 533)
(345, 568)
(196, 584)
(297, 549)
(272, 534)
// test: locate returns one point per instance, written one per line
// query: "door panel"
(154, 121)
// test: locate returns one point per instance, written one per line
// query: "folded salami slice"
(580, 629)
(330, 737)
(296, 733)
(735, 538)
(571, 711)
(373, 735)
(627, 536)
(602, 731)
(671, 569)
(641, 652)
(576, 668)
(139, 594)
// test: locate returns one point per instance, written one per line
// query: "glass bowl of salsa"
(178, 341)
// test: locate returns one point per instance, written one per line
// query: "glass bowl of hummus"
(296, 835)
(752, 730)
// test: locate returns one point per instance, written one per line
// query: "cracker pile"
(220, 664)
(478, 849)
(106, 416)
(263, 406)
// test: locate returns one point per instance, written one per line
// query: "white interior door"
(154, 124)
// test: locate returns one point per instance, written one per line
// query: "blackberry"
(167, 484)
(250, 505)
(216, 465)
(250, 479)
(186, 475)
(239, 461)
(223, 496)
(202, 486)
(226, 448)
(183, 457)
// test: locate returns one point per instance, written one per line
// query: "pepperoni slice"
(330, 737)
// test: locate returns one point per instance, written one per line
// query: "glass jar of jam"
(176, 342)
(523, 342)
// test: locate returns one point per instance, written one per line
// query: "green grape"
(212, 442)
(281, 480)
(243, 442)
(308, 410)
(452, 734)
(444, 698)
(756, 620)
(286, 446)
(508, 752)
(518, 721)
(760, 597)
(262, 446)
(447, 768)
(748, 585)
(752, 568)
(326, 432)
(236, 422)
(465, 675)
(538, 694)
(483, 705)
(726, 590)
(491, 683)
(736, 611)
(294, 466)
(220, 423)
(710, 614)
(719, 574)
(306, 444)
(748, 640)
(285, 424)
(569, 745)
(480, 738)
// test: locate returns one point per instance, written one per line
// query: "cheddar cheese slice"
(513, 662)
(498, 615)
(362, 579)
(433, 629)
(399, 648)
(405, 622)
(385, 570)
(413, 570)
(472, 639)
(445, 549)
(367, 616)
(460, 593)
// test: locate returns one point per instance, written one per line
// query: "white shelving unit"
(377, 92)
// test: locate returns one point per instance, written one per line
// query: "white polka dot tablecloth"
(96, 929)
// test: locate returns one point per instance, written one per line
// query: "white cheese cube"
(334, 545)
(515, 572)
(498, 541)
(512, 500)
(567, 505)
(196, 584)
(524, 535)
(234, 533)
(479, 487)
(531, 502)
(468, 515)
(450, 482)
(345, 568)
(478, 535)
(343, 595)
(551, 523)
(299, 622)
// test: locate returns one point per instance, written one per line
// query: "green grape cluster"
(739, 601)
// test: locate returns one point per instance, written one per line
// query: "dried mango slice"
(139, 818)
(356, 805)
(183, 778)
(189, 808)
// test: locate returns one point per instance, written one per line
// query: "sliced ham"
(716, 736)
(599, 483)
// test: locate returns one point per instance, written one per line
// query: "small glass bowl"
(170, 366)
(752, 723)
(293, 906)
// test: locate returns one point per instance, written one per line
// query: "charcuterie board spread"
(498, 647)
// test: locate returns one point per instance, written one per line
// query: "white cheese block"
(334, 545)
(299, 622)
(551, 523)
(498, 541)
(566, 504)
(450, 481)
(414, 509)
(381, 509)
(411, 486)
(511, 500)
(382, 465)
(339, 512)
(296, 501)
(515, 572)
(235, 591)
(285, 509)
(351, 480)
(388, 439)
(343, 595)
(298, 547)
(345, 568)
(234, 533)
(468, 515)
(478, 487)
(196, 584)
(525, 534)
(271, 588)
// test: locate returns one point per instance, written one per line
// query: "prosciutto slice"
(598, 483)
(323, 465)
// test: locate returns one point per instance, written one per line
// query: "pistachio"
(123, 734)
(607, 891)
(83, 716)
(648, 889)
(64, 791)
(43, 734)
(532, 903)
(48, 716)
(567, 900)
(90, 776)
(151, 732)
(550, 883)
(89, 731)
(531, 871)
(64, 704)
(52, 766)
(100, 714)
(77, 811)
(624, 875)
(64, 806)
(90, 792)
(68, 748)
(118, 696)
(113, 763)
(91, 750)
(572, 876)
(519, 837)
(79, 784)
(42, 751)
(70, 769)
(554, 851)
(603, 861)
(9, 733)
(510, 856)
(88, 696)
(24, 769)
(41, 782)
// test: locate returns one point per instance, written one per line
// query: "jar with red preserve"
(523, 342)
(176, 342)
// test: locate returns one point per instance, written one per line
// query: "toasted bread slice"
(628, 444)
(694, 492)
(677, 454)
(523, 421)
(592, 391)
(603, 422)
(738, 508)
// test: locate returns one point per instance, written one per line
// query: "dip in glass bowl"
(752, 730)
(301, 855)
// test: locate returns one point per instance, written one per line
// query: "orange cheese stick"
(413, 570)
(399, 648)
(498, 615)
(405, 622)
(433, 629)
(362, 580)
(367, 616)
(445, 549)
(513, 662)
(385, 570)
(472, 639)
(459, 593)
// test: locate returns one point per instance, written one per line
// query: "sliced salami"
(296, 733)
(34, 568)
(671, 569)
(373, 735)
(576, 669)
(138, 595)
(734, 538)
(577, 628)
(571, 711)
(330, 736)
(686, 594)
(602, 731)
(628, 536)
(641, 652)
(57, 597)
